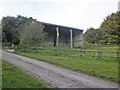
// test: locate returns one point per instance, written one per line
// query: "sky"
(80, 14)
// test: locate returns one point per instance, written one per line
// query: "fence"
(98, 54)
(75, 53)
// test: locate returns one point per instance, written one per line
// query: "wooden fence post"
(81, 52)
(118, 55)
(99, 54)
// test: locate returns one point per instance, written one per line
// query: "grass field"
(0, 73)
(70, 58)
(12, 77)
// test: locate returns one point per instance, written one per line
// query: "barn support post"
(71, 38)
(57, 38)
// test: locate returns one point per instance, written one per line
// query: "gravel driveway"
(56, 76)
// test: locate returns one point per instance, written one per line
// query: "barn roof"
(55, 25)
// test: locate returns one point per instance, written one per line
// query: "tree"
(108, 32)
(90, 35)
(32, 33)
(0, 34)
(12, 26)
(9, 30)
(110, 26)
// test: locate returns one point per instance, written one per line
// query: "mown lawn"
(12, 77)
(106, 68)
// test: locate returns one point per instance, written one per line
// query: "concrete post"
(81, 39)
(57, 39)
(71, 39)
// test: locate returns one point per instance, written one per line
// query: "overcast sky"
(81, 14)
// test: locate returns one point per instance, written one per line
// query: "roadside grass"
(0, 73)
(12, 77)
(106, 68)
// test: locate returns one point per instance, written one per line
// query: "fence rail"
(67, 52)
(99, 54)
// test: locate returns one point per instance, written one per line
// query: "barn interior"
(62, 35)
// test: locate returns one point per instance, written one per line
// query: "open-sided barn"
(57, 34)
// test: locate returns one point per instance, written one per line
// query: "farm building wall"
(77, 39)
(61, 35)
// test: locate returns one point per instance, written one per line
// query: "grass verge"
(0, 73)
(12, 77)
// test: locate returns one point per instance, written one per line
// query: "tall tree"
(32, 33)
(108, 32)
(12, 26)
(110, 26)
(9, 25)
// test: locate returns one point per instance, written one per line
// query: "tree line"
(21, 30)
(107, 33)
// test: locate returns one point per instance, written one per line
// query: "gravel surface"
(55, 76)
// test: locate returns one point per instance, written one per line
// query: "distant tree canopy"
(9, 28)
(32, 33)
(108, 32)
(12, 28)
(0, 33)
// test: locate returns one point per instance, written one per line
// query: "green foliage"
(90, 35)
(14, 78)
(108, 32)
(0, 35)
(110, 25)
(32, 33)
(9, 25)
(12, 27)
(0, 73)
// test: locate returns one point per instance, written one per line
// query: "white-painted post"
(71, 39)
(57, 39)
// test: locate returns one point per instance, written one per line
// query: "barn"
(62, 35)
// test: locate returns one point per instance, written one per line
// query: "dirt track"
(56, 76)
